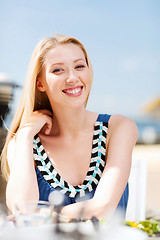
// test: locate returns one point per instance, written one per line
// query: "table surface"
(47, 232)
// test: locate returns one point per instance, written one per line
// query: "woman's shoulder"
(120, 120)
(122, 126)
(114, 121)
(11, 145)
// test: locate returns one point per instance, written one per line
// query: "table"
(47, 232)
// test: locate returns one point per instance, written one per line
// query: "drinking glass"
(33, 213)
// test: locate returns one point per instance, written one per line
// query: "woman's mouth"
(73, 92)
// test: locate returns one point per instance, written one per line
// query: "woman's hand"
(39, 121)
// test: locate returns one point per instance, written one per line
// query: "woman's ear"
(40, 85)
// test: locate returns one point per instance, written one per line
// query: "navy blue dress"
(49, 179)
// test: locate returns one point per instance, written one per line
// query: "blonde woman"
(56, 144)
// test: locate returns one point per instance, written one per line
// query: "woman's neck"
(69, 121)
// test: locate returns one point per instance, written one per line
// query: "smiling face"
(65, 76)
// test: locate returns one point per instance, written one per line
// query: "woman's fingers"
(39, 121)
(11, 218)
(48, 125)
(46, 117)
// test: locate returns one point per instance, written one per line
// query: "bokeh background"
(123, 42)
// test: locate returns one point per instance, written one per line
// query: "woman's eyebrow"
(61, 63)
(79, 60)
(58, 63)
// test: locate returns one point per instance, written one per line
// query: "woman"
(55, 143)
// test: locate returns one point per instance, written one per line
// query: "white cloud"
(139, 63)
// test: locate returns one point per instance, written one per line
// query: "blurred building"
(153, 108)
(6, 95)
(149, 123)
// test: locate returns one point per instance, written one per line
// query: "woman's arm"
(122, 136)
(22, 184)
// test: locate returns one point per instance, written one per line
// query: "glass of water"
(33, 214)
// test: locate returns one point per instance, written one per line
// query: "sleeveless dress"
(49, 180)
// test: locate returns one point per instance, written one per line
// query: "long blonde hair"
(32, 99)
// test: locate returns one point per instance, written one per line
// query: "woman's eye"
(57, 70)
(80, 66)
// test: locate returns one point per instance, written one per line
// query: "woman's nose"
(72, 77)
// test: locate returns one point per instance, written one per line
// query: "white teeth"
(74, 90)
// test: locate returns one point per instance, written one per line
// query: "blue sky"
(122, 38)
